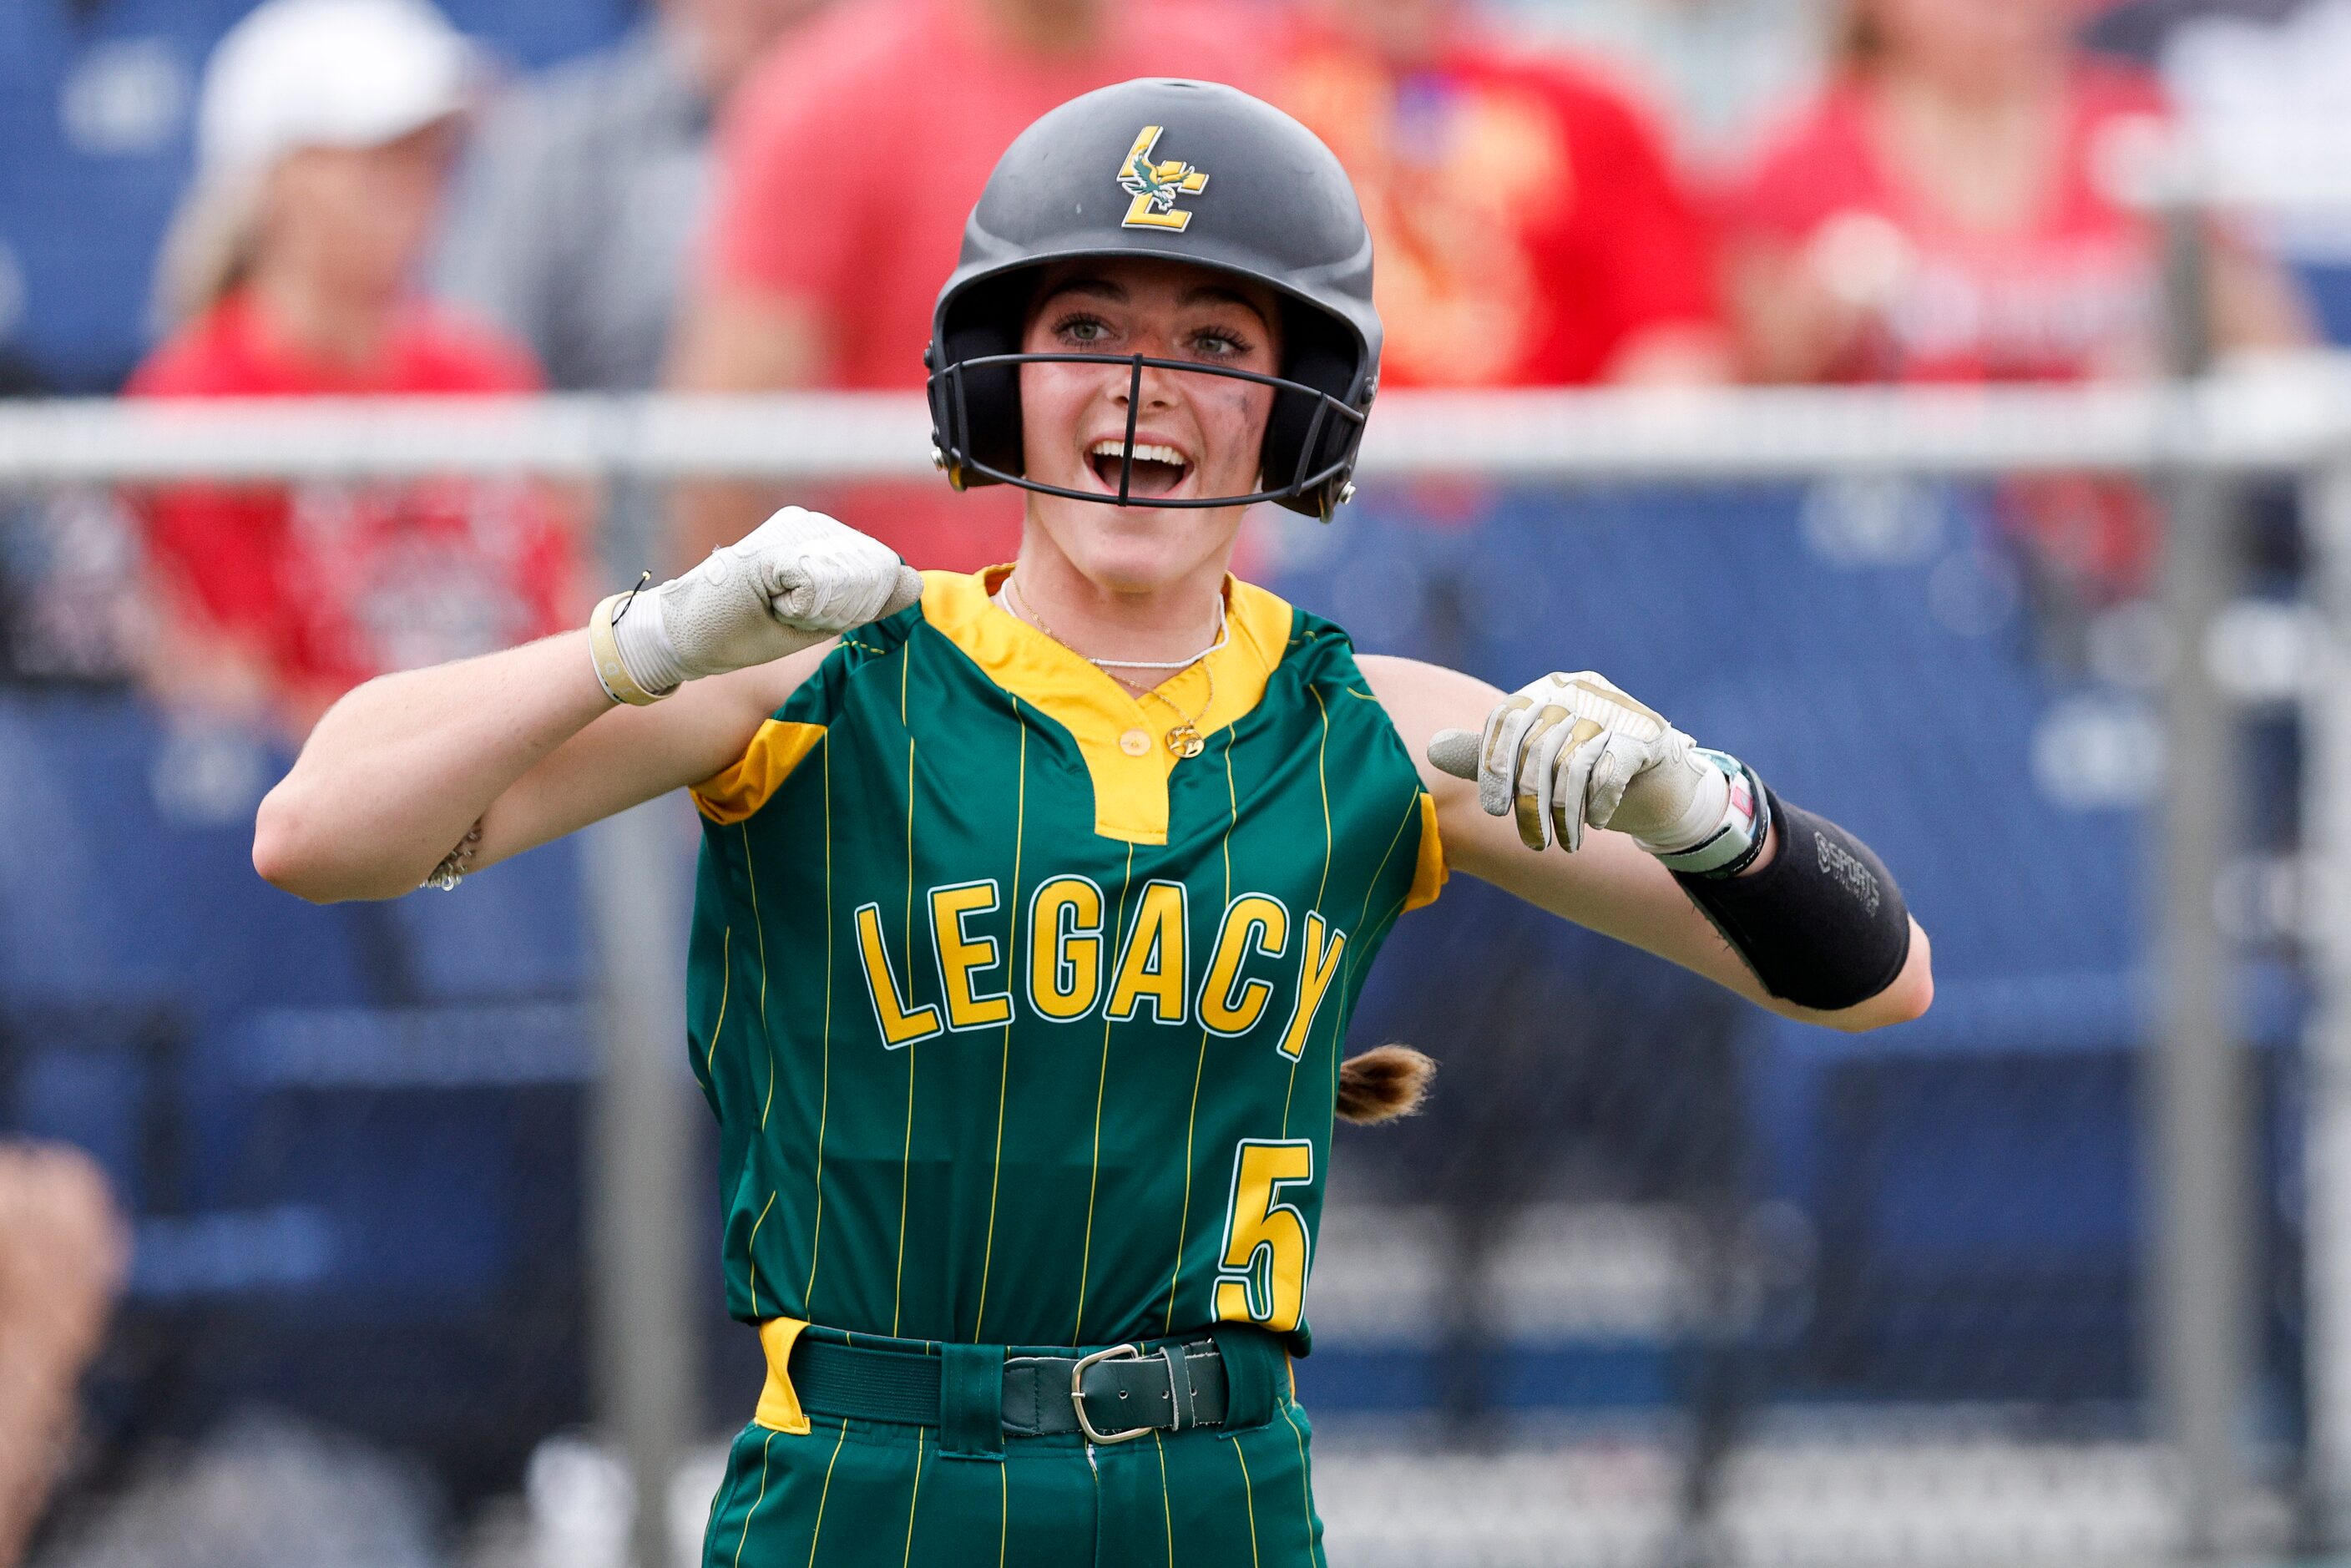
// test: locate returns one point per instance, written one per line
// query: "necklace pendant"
(1185, 741)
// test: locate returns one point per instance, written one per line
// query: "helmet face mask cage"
(1325, 451)
(1251, 194)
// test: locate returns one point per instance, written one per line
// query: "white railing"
(2288, 413)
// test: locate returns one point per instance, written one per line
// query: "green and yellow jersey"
(1021, 1030)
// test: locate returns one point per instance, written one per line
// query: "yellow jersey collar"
(1121, 738)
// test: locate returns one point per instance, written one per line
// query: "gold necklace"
(1186, 739)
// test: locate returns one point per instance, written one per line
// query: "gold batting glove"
(1574, 751)
(796, 580)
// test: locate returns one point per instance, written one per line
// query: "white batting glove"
(1574, 751)
(794, 581)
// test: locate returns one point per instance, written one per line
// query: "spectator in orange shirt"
(326, 131)
(847, 167)
(1529, 226)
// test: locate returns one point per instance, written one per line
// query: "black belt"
(1111, 1396)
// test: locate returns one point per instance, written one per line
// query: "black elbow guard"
(1822, 926)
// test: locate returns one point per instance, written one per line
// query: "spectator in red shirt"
(847, 168)
(326, 131)
(1529, 226)
(1943, 211)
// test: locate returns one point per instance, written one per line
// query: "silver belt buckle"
(1078, 1392)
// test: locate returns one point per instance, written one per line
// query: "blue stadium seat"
(86, 185)
(96, 108)
(107, 897)
(348, 1138)
(1839, 681)
(513, 932)
(298, 1058)
(116, 896)
(2328, 285)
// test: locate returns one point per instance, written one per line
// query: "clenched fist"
(1572, 751)
(794, 581)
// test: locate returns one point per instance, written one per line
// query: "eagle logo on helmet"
(1156, 186)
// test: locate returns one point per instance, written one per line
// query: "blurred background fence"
(2056, 1275)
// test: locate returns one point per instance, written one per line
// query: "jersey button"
(1135, 743)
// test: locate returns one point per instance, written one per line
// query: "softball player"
(1032, 904)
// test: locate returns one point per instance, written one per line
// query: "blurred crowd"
(753, 195)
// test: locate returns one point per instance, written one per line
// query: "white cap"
(327, 73)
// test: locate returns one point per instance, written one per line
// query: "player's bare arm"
(487, 757)
(1608, 882)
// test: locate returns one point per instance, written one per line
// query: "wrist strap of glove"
(1738, 837)
(612, 670)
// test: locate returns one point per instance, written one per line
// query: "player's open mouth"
(1157, 471)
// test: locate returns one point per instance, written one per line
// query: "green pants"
(867, 1494)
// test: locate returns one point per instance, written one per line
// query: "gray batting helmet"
(1184, 171)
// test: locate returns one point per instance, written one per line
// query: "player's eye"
(1219, 343)
(1082, 330)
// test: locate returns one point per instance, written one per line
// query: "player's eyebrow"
(1211, 294)
(1216, 294)
(1113, 293)
(1094, 288)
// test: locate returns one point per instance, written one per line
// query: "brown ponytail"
(1383, 1083)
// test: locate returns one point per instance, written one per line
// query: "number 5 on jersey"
(1262, 1273)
